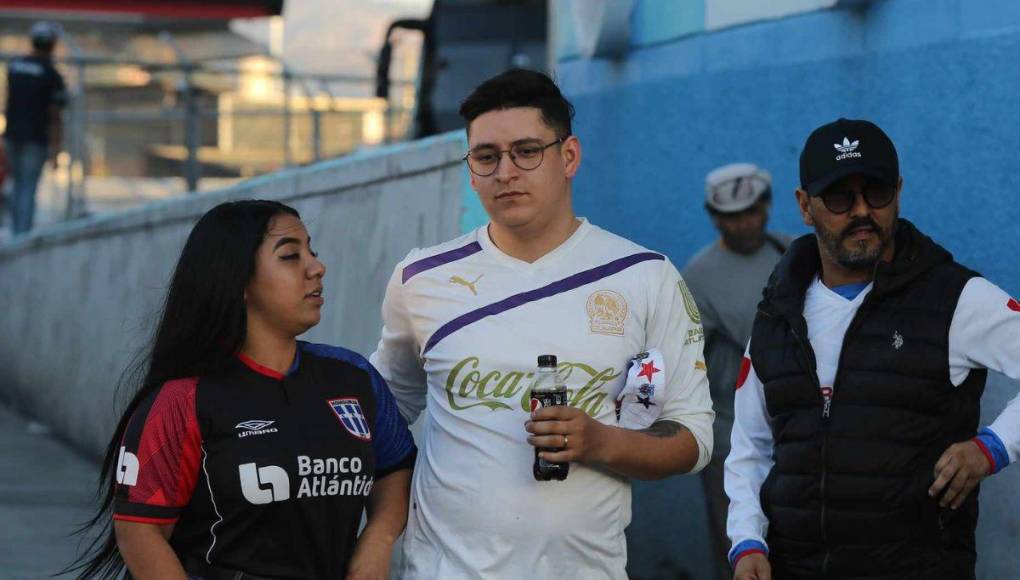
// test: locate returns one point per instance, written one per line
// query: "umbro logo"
(847, 149)
(255, 427)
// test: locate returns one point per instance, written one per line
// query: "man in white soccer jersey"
(464, 323)
(856, 449)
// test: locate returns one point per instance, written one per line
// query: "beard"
(745, 245)
(858, 256)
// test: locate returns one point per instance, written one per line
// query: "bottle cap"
(547, 360)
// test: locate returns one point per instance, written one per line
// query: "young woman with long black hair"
(245, 453)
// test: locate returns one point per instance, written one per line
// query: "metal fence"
(224, 117)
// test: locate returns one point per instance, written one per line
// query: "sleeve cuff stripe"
(405, 463)
(988, 454)
(143, 520)
(140, 510)
(995, 447)
(747, 553)
(746, 547)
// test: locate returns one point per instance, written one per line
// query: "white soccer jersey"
(463, 326)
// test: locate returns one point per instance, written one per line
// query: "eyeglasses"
(526, 155)
(841, 198)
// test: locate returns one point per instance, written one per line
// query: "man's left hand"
(569, 430)
(958, 472)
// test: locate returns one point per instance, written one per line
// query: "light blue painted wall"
(940, 76)
(652, 22)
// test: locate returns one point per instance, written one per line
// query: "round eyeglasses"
(526, 155)
(841, 198)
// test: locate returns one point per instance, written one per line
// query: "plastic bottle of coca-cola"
(546, 393)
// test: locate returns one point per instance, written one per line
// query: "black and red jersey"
(262, 472)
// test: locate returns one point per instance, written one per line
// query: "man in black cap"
(856, 449)
(35, 95)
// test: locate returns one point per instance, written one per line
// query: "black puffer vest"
(847, 497)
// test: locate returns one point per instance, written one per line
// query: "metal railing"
(175, 111)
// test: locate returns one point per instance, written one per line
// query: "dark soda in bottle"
(548, 392)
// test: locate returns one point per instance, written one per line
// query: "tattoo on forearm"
(664, 429)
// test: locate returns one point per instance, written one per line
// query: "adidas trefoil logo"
(847, 149)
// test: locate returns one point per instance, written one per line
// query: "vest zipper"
(826, 412)
(827, 397)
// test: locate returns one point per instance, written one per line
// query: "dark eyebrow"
(285, 241)
(517, 142)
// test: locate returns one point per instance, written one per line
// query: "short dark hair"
(519, 87)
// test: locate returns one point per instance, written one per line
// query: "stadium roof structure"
(171, 9)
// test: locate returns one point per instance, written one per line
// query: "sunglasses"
(840, 198)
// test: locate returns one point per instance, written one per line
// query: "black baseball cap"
(847, 147)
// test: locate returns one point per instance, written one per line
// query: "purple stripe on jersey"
(558, 287)
(412, 270)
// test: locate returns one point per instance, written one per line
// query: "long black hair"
(202, 327)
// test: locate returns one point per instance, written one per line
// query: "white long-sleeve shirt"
(984, 334)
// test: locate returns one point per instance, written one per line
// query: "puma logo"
(469, 285)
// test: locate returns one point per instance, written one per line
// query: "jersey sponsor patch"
(1013, 305)
(127, 467)
(745, 370)
(348, 411)
(262, 485)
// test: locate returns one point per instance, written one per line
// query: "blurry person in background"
(246, 453)
(726, 278)
(35, 95)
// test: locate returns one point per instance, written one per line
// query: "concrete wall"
(80, 300)
(938, 75)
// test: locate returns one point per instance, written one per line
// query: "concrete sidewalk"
(46, 490)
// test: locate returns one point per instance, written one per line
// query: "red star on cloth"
(648, 370)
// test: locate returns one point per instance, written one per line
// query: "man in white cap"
(35, 95)
(726, 278)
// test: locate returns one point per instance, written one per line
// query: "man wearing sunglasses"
(726, 278)
(856, 448)
(464, 323)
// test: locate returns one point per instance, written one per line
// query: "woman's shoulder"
(333, 352)
(175, 389)
(339, 353)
